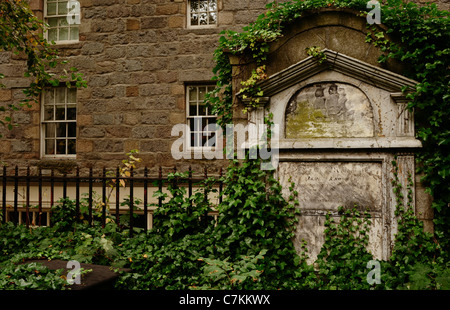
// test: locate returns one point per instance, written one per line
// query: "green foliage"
(317, 53)
(21, 33)
(343, 258)
(181, 214)
(222, 274)
(167, 257)
(249, 247)
(32, 276)
(253, 217)
(414, 249)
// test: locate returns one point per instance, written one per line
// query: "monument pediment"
(335, 61)
(338, 102)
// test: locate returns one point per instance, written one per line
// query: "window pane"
(211, 140)
(49, 146)
(194, 5)
(201, 93)
(49, 130)
(203, 5)
(71, 113)
(193, 110)
(74, 33)
(63, 22)
(192, 93)
(61, 130)
(71, 146)
(48, 113)
(62, 8)
(212, 18)
(71, 95)
(71, 129)
(192, 124)
(201, 109)
(204, 123)
(49, 96)
(197, 124)
(196, 139)
(203, 19)
(60, 113)
(192, 140)
(194, 19)
(53, 35)
(61, 146)
(52, 22)
(213, 5)
(60, 95)
(63, 34)
(51, 8)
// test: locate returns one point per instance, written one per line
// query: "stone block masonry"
(137, 57)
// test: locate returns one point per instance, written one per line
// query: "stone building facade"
(139, 58)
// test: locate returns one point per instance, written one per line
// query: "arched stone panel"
(340, 30)
(329, 110)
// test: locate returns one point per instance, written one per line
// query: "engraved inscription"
(327, 185)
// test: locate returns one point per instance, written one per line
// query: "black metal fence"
(31, 206)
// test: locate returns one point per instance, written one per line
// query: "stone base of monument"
(100, 278)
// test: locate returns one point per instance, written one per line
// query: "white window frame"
(46, 17)
(208, 116)
(188, 15)
(44, 122)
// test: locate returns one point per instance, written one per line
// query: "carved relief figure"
(328, 110)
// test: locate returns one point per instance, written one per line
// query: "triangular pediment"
(339, 62)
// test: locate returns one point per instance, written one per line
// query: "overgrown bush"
(249, 247)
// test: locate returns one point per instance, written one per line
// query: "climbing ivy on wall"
(421, 40)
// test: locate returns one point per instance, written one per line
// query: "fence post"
(16, 192)
(4, 195)
(131, 201)
(103, 197)
(117, 195)
(205, 176)
(160, 186)
(27, 205)
(64, 188)
(220, 185)
(52, 193)
(190, 189)
(90, 196)
(40, 197)
(145, 198)
(77, 194)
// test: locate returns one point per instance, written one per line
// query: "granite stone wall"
(137, 57)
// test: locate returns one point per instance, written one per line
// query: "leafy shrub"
(343, 258)
(223, 274)
(33, 276)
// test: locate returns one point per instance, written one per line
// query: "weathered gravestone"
(341, 124)
(342, 121)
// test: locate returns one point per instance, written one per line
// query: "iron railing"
(30, 207)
